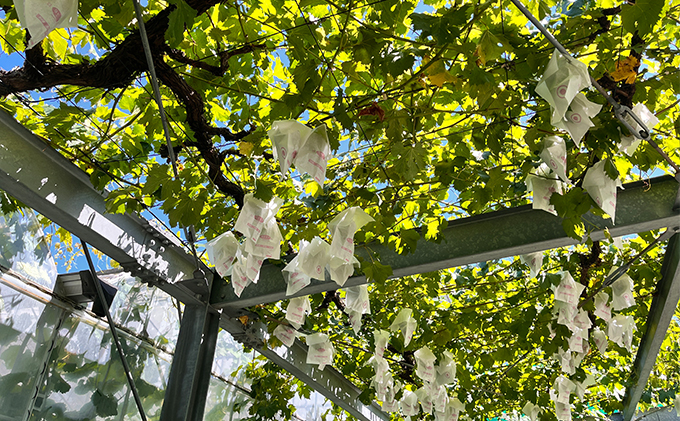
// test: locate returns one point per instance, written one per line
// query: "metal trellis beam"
(306, 372)
(35, 174)
(641, 206)
(663, 307)
(328, 382)
(40, 177)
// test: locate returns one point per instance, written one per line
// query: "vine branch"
(120, 67)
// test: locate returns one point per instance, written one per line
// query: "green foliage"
(105, 405)
(181, 19)
(376, 272)
(8, 204)
(641, 16)
(272, 391)
(432, 116)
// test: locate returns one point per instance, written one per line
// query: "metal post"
(154, 83)
(189, 379)
(188, 232)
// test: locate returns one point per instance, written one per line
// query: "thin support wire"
(114, 331)
(620, 111)
(619, 272)
(189, 239)
(329, 66)
(188, 232)
(154, 84)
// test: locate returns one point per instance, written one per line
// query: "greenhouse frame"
(47, 182)
(415, 131)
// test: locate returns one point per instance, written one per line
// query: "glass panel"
(27, 331)
(229, 356)
(59, 363)
(86, 379)
(146, 311)
(225, 402)
(311, 409)
(24, 250)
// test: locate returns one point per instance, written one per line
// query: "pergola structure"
(38, 176)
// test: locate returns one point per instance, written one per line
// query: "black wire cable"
(114, 332)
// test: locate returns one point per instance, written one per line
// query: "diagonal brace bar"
(663, 307)
(114, 331)
(334, 382)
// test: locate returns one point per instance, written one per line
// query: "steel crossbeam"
(641, 206)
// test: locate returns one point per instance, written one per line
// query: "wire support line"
(620, 111)
(619, 272)
(189, 240)
(154, 84)
(329, 66)
(114, 332)
(188, 232)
